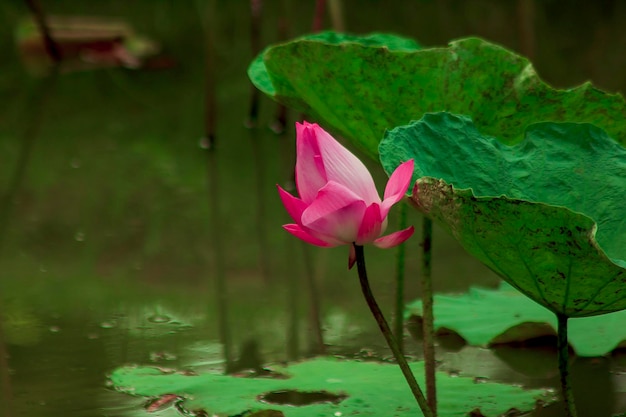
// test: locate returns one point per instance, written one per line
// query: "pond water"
(117, 223)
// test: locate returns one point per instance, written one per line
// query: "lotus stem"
(293, 302)
(213, 183)
(218, 260)
(36, 109)
(398, 324)
(428, 320)
(260, 212)
(318, 17)
(526, 27)
(566, 381)
(335, 9)
(6, 391)
(255, 43)
(210, 93)
(384, 328)
(280, 119)
(315, 315)
(52, 48)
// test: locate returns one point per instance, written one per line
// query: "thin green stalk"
(34, 112)
(335, 9)
(398, 324)
(526, 27)
(566, 381)
(256, 7)
(261, 211)
(428, 326)
(315, 315)
(280, 120)
(6, 390)
(221, 292)
(213, 183)
(384, 328)
(293, 302)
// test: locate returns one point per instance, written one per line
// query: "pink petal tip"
(302, 234)
(394, 239)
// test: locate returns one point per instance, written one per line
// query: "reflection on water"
(111, 245)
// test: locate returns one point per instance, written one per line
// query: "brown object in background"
(84, 42)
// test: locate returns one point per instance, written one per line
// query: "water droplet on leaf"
(159, 318)
(204, 143)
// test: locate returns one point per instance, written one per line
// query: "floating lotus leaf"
(485, 317)
(359, 90)
(548, 214)
(357, 384)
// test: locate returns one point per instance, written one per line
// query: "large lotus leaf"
(360, 382)
(548, 214)
(361, 90)
(261, 79)
(485, 317)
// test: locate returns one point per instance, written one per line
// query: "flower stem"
(566, 382)
(428, 322)
(384, 328)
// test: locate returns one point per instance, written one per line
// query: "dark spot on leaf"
(300, 398)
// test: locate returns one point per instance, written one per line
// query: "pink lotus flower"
(339, 203)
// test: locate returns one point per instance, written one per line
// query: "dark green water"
(107, 251)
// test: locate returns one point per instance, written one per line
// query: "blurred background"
(139, 219)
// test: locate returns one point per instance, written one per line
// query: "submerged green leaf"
(359, 90)
(485, 317)
(359, 382)
(548, 214)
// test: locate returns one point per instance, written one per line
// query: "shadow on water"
(300, 398)
(120, 259)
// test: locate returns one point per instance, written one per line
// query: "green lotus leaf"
(261, 78)
(357, 384)
(547, 214)
(360, 90)
(485, 317)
